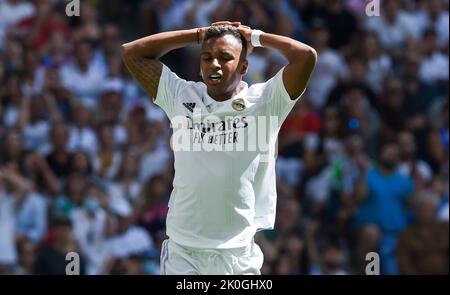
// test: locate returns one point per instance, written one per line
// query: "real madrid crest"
(238, 104)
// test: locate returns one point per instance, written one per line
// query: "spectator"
(391, 27)
(379, 63)
(329, 68)
(127, 239)
(81, 135)
(126, 186)
(38, 27)
(31, 217)
(332, 134)
(359, 116)
(91, 226)
(382, 193)
(27, 257)
(73, 195)
(342, 24)
(83, 76)
(438, 140)
(12, 11)
(423, 247)
(410, 165)
(301, 121)
(434, 66)
(437, 18)
(58, 159)
(154, 207)
(332, 260)
(51, 258)
(107, 161)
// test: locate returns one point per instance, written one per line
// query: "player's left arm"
(302, 58)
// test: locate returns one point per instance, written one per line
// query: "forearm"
(302, 60)
(157, 45)
(294, 51)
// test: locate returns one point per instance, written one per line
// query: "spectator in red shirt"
(302, 120)
(37, 29)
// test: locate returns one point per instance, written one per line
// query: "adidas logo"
(190, 106)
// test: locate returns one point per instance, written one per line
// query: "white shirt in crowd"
(118, 193)
(378, 70)
(8, 254)
(36, 136)
(391, 35)
(90, 233)
(329, 68)
(221, 197)
(113, 168)
(434, 68)
(135, 240)
(442, 214)
(84, 139)
(11, 13)
(423, 168)
(87, 84)
(31, 217)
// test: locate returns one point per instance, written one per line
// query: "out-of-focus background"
(85, 163)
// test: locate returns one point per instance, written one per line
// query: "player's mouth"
(214, 79)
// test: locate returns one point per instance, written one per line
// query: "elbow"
(124, 50)
(304, 54)
(311, 55)
(127, 51)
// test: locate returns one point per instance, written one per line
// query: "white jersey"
(224, 188)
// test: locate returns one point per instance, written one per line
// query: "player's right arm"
(141, 56)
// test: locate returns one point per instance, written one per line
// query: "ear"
(244, 67)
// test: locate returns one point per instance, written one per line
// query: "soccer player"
(221, 195)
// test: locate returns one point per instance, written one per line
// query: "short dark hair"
(220, 31)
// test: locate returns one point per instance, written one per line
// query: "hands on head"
(246, 32)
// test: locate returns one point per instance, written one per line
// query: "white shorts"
(180, 260)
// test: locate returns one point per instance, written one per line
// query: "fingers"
(226, 23)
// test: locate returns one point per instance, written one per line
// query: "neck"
(227, 95)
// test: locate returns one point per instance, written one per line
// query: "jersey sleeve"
(278, 102)
(169, 88)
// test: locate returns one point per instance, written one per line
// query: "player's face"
(222, 66)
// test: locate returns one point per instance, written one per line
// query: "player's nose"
(215, 63)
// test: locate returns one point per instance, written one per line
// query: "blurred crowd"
(363, 166)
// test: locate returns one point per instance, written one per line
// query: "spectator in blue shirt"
(381, 196)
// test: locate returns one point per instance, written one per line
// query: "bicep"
(297, 74)
(146, 71)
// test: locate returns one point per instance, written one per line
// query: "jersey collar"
(208, 100)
